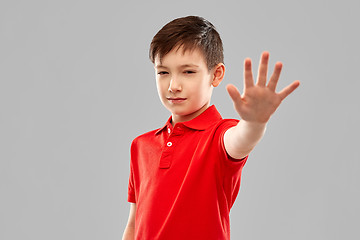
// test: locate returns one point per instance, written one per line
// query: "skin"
(255, 106)
(185, 75)
(177, 77)
(129, 233)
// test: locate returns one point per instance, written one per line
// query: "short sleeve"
(231, 169)
(131, 185)
(224, 126)
(131, 189)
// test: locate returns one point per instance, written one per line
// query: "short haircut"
(188, 32)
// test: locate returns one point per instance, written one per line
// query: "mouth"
(176, 100)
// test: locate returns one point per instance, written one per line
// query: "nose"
(174, 85)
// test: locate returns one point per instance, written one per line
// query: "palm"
(259, 101)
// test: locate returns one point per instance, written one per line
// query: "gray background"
(76, 87)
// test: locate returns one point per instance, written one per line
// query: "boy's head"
(188, 33)
(188, 59)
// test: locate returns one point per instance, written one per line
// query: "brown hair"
(188, 32)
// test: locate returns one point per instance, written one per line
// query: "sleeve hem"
(227, 156)
(235, 159)
(131, 199)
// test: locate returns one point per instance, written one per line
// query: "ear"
(218, 74)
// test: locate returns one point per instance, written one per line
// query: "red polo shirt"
(182, 180)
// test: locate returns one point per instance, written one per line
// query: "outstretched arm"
(255, 107)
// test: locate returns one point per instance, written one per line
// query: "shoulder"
(225, 124)
(145, 137)
(218, 129)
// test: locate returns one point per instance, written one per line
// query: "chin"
(183, 111)
(180, 112)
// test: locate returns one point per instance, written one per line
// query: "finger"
(289, 89)
(275, 76)
(234, 93)
(263, 68)
(248, 76)
(235, 96)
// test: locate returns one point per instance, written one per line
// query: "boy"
(185, 176)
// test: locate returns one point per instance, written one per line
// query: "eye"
(189, 72)
(162, 73)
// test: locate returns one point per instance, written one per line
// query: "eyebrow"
(182, 66)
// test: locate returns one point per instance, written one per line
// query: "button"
(169, 130)
(169, 144)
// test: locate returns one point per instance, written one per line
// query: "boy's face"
(184, 83)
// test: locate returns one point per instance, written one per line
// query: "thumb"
(234, 93)
(235, 96)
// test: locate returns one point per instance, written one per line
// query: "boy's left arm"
(255, 107)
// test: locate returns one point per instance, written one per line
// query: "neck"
(184, 118)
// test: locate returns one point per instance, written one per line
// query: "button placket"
(166, 156)
(174, 135)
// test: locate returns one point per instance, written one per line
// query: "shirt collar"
(207, 118)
